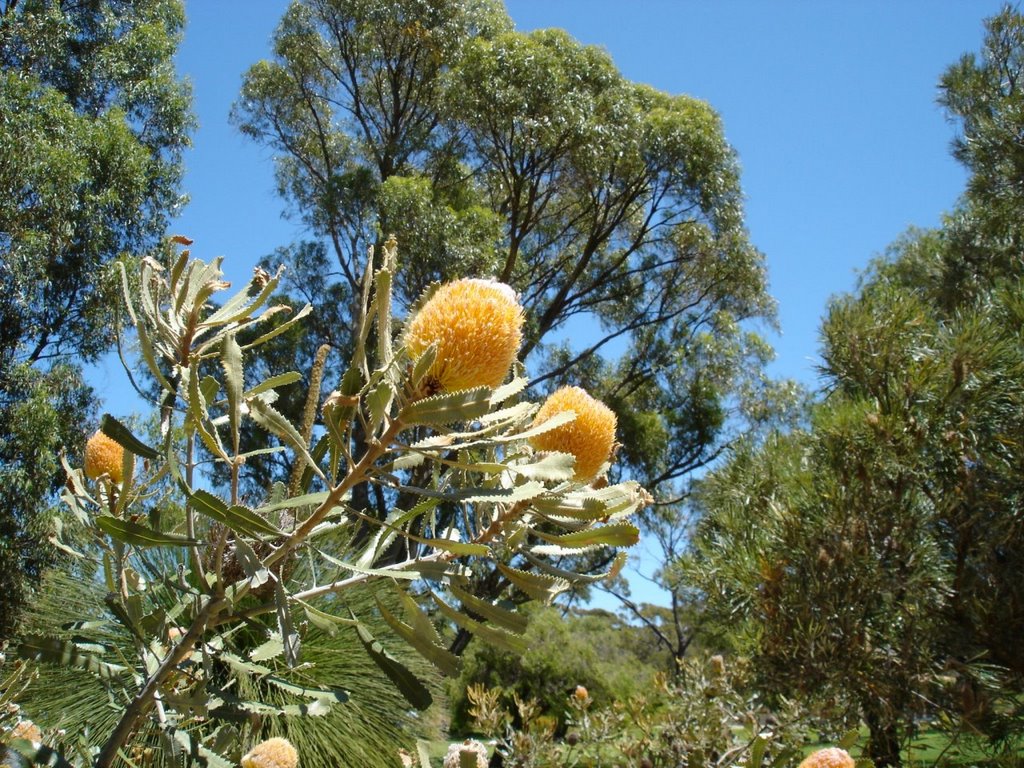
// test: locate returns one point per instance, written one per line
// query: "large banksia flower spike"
(589, 437)
(104, 456)
(272, 753)
(476, 327)
(831, 757)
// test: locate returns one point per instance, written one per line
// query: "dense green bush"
(594, 649)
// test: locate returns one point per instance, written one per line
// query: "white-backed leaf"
(440, 657)
(492, 635)
(538, 586)
(547, 466)
(618, 534)
(281, 380)
(510, 620)
(410, 686)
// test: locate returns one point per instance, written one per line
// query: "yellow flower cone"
(477, 326)
(104, 456)
(272, 753)
(832, 757)
(589, 437)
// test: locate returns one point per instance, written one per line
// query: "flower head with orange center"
(272, 753)
(104, 456)
(589, 437)
(477, 327)
(832, 757)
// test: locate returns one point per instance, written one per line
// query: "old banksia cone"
(832, 757)
(272, 753)
(589, 437)
(104, 456)
(477, 326)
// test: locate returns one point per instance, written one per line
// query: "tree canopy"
(875, 558)
(94, 123)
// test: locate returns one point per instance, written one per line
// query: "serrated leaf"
(850, 738)
(536, 585)
(234, 383)
(236, 517)
(66, 654)
(289, 637)
(325, 621)
(379, 400)
(505, 391)
(493, 635)
(423, 752)
(620, 534)
(199, 753)
(448, 408)
(242, 304)
(410, 686)
(558, 420)
(757, 750)
(525, 492)
(279, 329)
(547, 466)
(121, 435)
(140, 535)
(281, 380)
(271, 649)
(275, 423)
(423, 363)
(250, 562)
(513, 622)
(440, 657)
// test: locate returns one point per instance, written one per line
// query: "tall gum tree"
(94, 124)
(528, 157)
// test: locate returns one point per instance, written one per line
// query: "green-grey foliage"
(94, 123)
(222, 625)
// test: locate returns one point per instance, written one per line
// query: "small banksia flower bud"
(477, 326)
(589, 437)
(832, 757)
(104, 456)
(581, 693)
(26, 729)
(454, 757)
(272, 753)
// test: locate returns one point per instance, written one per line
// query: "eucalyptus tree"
(94, 123)
(614, 209)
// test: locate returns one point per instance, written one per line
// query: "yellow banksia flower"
(477, 326)
(832, 757)
(272, 753)
(104, 455)
(589, 437)
(581, 693)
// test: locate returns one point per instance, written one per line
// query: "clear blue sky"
(830, 105)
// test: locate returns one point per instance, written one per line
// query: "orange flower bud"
(832, 757)
(589, 437)
(26, 729)
(272, 753)
(477, 326)
(103, 456)
(581, 693)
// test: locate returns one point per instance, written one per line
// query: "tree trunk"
(884, 741)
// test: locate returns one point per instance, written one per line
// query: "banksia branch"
(477, 327)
